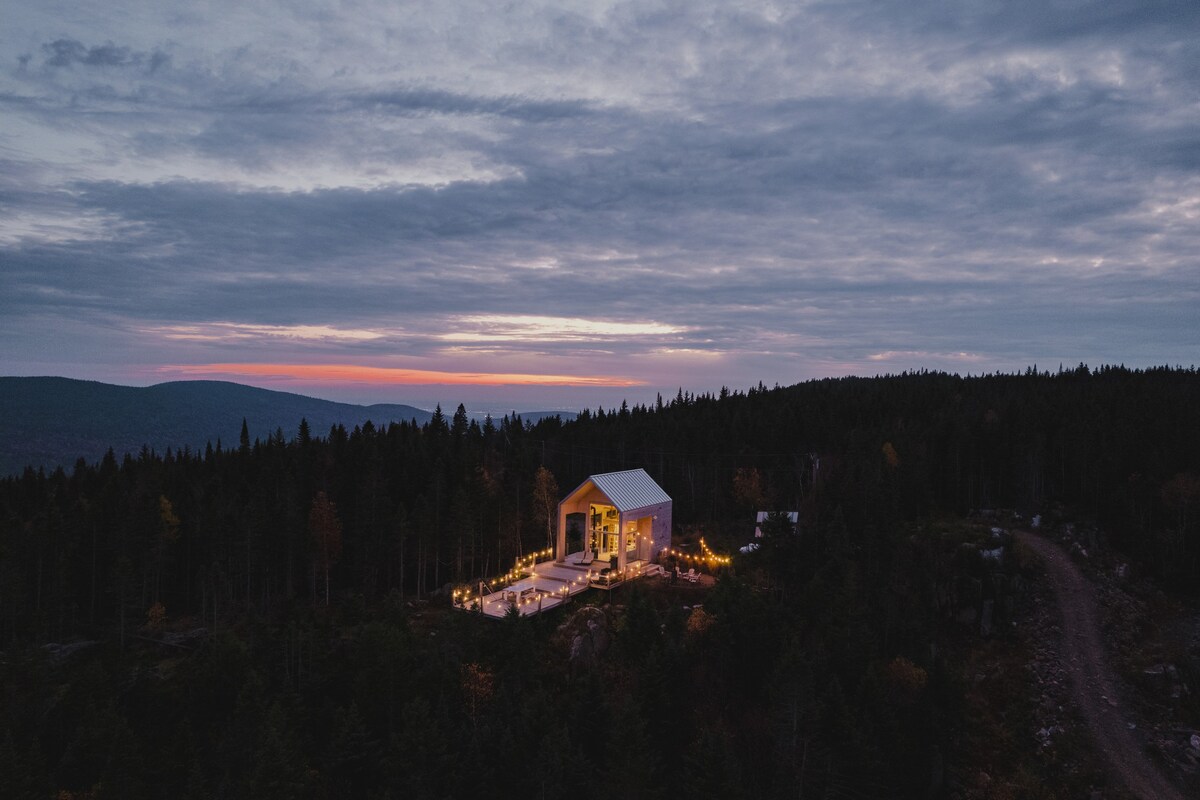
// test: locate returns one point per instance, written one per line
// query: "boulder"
(583, 655)
(588, 623)
(600, 636)
(995, 555)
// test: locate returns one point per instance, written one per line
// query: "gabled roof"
(628, 490)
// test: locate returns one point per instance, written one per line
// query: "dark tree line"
(815, 669)
(227, 531)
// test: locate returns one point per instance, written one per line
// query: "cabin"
(624, 516)
(622, 521)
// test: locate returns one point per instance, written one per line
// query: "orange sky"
(347, 373)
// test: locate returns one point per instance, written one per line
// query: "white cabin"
(627, 515)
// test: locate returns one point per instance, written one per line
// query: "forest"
(272, 617)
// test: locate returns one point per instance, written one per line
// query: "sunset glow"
(351, 373)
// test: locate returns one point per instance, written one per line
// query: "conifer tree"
(325, 532)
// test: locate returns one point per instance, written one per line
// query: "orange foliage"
(156, 617)
(699, 621)
(905, 679)
(478, 683)
(890, 455)
(747, 487)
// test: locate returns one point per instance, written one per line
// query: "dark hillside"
(54, 421)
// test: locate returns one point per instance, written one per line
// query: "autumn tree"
(890, 455)
(545, 501)
(478, 684)
(325, 531)
(168, 532)
(748, 487)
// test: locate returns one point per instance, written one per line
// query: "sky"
(559, 205)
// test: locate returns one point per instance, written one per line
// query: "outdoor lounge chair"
(587, 559)
(691, 575)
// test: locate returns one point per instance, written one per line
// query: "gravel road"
(1094, 683)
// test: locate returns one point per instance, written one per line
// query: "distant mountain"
(55, 421)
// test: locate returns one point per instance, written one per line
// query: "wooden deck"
(551, 584)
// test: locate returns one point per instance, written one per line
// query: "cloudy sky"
(567, 203)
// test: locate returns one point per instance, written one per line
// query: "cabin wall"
(660, 528)
(587, 494)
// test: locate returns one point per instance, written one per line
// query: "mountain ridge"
(50, 421)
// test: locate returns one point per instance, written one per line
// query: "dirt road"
(1094, 682)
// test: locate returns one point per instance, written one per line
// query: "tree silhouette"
(325, 534)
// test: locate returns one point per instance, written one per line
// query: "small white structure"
(793, 517)
(628, 515)
(628, 518)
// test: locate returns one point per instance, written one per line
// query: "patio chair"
(692, 575)
(587, 559)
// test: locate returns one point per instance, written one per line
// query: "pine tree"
(278, 771)
(325, 532)
(458, 426)
(437, 424)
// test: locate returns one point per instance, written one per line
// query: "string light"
(708, 557)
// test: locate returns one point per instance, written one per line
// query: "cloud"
(532, 328)
(69, 52)
(424, 101)
(687, 190)
(237, 332)
(925, 357)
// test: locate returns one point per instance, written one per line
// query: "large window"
(605, 533)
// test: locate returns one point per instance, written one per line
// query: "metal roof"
(628, 490)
